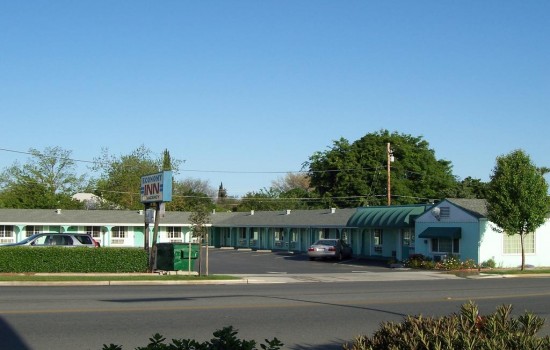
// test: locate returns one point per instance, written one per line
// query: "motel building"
(457, 227)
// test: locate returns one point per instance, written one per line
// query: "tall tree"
(517, 197)
(352, 174)
(166, 160)
(47, 180)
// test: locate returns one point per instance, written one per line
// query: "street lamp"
(390, 159)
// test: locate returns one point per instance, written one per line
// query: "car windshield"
(28, 239)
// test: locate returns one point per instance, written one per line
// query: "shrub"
(452, 262)
(60, 259)
(225, 339)
(490, 264)
(466, 330)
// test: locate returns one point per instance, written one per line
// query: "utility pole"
(390, 159)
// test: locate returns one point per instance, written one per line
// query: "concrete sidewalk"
(393, 275)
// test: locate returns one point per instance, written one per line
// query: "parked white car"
(329, 248)
(57, 239)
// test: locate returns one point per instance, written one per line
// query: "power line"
(200, 170)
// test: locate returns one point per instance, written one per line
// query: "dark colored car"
(329, 248)
(57, 239)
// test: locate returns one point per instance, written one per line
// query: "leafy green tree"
(470, 188)
(354, 174)
(120, 179)
(517, 197)
(48, 180)
(272, 199)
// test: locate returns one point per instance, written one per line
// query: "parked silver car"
(329, 248)
(57, 239)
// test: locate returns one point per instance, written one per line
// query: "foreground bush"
(467, 330)
(60, 259)
(225, 339)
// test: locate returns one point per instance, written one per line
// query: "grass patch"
(528, 271)
(94, 278)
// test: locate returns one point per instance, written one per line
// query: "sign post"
(157, 189)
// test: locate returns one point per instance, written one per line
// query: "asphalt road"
(231, 261)
(301, 315)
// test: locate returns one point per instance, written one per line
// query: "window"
(31, 230)
(378, 237)
(255, 234)
(119, 232)
(445, 245)
(174, 232)
(408, 238)
(94, 231)
(6, 231)
(512, 244)
(324, 233)
(242, 233)
(279, 237)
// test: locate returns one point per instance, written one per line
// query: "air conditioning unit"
(440, 257)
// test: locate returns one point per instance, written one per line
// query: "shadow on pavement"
(9, 338)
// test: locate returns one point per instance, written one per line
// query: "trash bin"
(175, 256)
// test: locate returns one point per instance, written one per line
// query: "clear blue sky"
(245, 91)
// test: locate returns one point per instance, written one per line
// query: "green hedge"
(59, 259)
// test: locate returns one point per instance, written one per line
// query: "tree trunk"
(522, 252)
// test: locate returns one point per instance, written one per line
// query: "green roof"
(399, 216)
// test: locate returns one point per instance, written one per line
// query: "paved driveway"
(231, 261)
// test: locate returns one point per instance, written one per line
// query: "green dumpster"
(177, 256)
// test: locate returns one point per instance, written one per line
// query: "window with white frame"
(94, 231)
(6, 231)
(119, 232)
(324, 233)
(32, 230)
(512, 243)
(174, 234)
(446, 245)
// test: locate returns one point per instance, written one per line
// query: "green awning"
(441, 232)
(400, 216)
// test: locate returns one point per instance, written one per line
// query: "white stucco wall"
(493, 242)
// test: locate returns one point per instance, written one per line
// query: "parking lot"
(232, 261)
